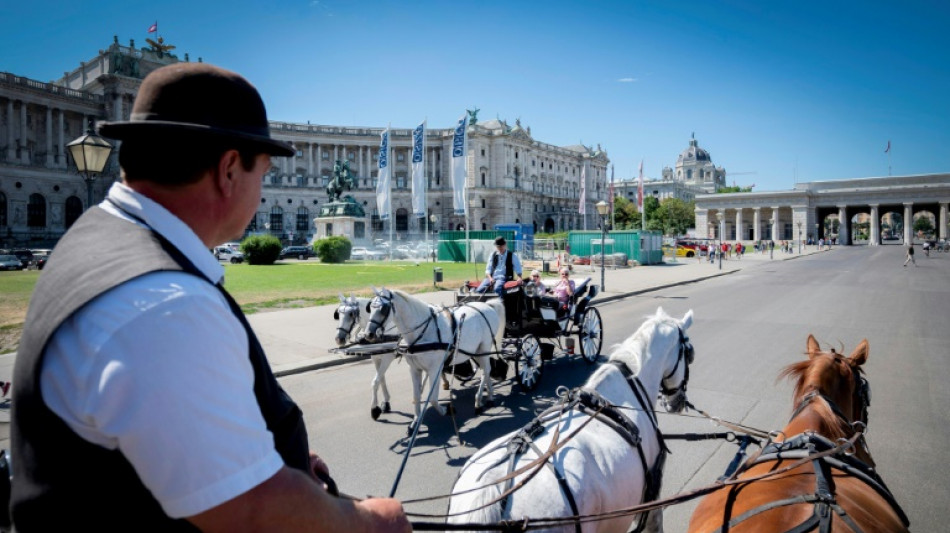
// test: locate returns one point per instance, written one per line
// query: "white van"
(225, 253)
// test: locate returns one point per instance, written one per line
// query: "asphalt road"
(747, 327)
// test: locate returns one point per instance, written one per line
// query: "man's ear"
(226, 171)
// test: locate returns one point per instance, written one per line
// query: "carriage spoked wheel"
(590, 335)
(529, 364)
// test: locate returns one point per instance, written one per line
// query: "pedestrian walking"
(910, 255)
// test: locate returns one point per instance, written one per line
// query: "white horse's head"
(661, 342)
(379, 310)
(347, 315)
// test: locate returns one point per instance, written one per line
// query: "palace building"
(511, 177)
(694, 174)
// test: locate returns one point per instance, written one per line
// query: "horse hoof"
(386, 407)
(375, 412)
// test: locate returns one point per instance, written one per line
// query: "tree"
(923, 225)
(626, 215)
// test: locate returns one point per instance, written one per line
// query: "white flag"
(640, 189)
(459, 150)
(582, 209)
(419, 171)
(383, 183)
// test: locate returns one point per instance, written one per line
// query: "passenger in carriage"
(503, 266)
(539, 285)
(564, 289)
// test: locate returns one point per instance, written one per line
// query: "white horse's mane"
(630, 350)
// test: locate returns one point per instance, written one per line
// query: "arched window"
(36, 211)
(3, 209)
(73, 210)
(303, 219)
(276, 219)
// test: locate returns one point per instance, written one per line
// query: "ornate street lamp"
(603, 209)
(90, 154)
(434, 220)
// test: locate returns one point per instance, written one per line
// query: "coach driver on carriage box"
(142, 398)
(503, 266)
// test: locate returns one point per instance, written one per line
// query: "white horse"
(427, 331)
(353, 317)
(601, 467)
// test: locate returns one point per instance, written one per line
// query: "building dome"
(694, 153)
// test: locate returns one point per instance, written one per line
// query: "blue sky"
(782, 92)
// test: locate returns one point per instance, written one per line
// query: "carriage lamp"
(90, 154)
(603, 209)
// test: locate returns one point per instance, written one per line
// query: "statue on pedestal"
(341, 178)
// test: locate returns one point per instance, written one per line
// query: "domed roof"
(694, 153)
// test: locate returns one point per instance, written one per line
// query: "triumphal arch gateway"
(884, 208)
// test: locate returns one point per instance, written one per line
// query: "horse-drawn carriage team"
(594, 461)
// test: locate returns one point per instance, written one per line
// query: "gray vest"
(61, 481)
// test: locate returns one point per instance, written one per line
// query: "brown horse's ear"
(860, 354)
(813, 348)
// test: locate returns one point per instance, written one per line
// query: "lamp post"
(719, 217)
(90, 154)
(603, 209)
(771, 237)
(799, 237)
(434, 220)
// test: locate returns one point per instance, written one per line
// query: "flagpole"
(389, 161)
(613, 219)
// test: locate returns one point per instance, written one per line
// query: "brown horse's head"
(839, 380)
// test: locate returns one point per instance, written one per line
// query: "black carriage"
(532, 316)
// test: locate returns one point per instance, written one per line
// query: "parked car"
(225, 253)
(10, 262)
(25, 256)
(690, 249)
(39, 259)
(300, 252)
(361, 253)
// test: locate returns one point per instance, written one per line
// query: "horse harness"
(596, 406)
(356, 319)
(809, 444)
(431, 320)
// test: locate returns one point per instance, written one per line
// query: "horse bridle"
(686, 356)
(386, 306)
(356, 319)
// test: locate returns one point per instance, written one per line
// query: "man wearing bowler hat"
(143, 400)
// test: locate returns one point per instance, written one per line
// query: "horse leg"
(384, 362)
(433, 374)
(484, 363)
(375, 411)
(654, 521)
(416, 375)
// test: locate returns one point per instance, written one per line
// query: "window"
(299, 153)
(351, 156)
(400, 157)
(483, 202)
(359, 230)
(400, 181)
(377, 223)
(483, 179)
(73, 210)
(303, 220)
(483, 152)
(516, 155)
(402, 219)
(36, 211)
(276, 219)
(325, 155)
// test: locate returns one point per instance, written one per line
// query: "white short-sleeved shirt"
(158, 368)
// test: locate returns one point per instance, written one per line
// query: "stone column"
(62, 133)
(908, 222)
(49, 137)
(875, 237)
(336, 154)
(844, 236)
(942, 221)
(319, 163)
(359, 161)
(24, 152)
(310, 159)
(11, 144)
(739, 224)
(117, 105)
(775, 223)
(757, 224)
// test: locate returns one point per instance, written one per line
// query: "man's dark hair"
(178, 161)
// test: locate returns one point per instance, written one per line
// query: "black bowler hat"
(202, 99)
(500, 241)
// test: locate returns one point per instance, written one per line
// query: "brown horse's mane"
(802, 372)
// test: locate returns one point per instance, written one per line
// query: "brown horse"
(838, 492)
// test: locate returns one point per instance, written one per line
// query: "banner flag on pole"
(459, 150)
(640, 189)
(582, 208)
(611, 189)
(383, 188)
(419, 171)
(153, 28)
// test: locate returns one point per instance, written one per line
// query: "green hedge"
(261, 249)
(334, 249)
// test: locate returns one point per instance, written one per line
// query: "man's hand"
(385, 515)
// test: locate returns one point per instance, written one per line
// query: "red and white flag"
(888, 149)
(640, 189)
(582, 208)
(153, 28)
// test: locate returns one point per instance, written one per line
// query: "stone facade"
(695, 174)
(806, 211)
(512, 178)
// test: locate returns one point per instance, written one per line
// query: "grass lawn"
(282, 285)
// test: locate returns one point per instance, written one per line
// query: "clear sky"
(777, 92)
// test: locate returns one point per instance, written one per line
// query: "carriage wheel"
(529, 364)
(591, 335)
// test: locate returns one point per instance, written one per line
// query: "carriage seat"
(580, 289)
